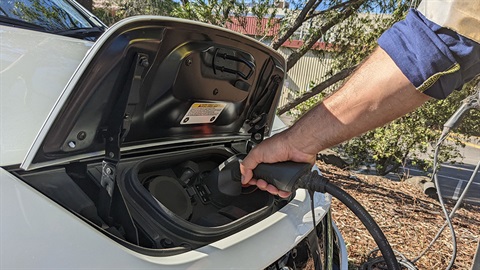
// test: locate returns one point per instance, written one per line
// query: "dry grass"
(409, 219)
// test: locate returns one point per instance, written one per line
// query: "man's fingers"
(247, 174)
(284, 194)
(261, 184)
(272, 189)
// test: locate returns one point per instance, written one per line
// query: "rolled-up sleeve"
(435, 59)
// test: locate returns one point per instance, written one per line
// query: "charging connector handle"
(282, 175)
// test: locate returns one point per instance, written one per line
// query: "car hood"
(154, 81)
(34, 69)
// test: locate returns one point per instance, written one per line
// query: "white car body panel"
(34, 69)
(343, 248)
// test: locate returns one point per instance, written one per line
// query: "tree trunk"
(88, 4)
(317, 89)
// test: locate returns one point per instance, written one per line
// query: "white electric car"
(110, 147)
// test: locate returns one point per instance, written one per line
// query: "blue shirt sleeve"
(435, 59)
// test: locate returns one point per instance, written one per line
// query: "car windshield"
(54, 16)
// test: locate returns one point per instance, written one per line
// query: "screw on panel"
(188, 62)
(294, 253)
(81, 135)
(111, 154)
(72, 144)
(108, 171)
(258, 136)
(215, 91)
(144, 62)
(166, 242)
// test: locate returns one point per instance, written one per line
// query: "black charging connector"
(283, 175)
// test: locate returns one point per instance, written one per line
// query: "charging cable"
(470, 102)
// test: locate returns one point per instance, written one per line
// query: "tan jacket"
(462, 16)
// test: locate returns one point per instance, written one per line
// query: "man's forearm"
(376, 94)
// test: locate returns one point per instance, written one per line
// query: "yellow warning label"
(208, 105)
(201, 113)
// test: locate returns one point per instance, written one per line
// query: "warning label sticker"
(201, 113)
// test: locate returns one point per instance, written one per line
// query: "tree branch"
(296, 24)
(338, 6)
(295, 56)
(312, 10)
(317, 89)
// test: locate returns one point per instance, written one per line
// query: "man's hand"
(374, 95)
(281, 147)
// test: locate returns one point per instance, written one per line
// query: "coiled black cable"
(314, 181)
(376, 262)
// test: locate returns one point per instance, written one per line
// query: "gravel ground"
(409, 219)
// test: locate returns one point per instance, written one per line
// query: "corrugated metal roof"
(252, 26)
(319, 46)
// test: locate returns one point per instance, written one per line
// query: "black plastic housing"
(283, 175)
(171, 221)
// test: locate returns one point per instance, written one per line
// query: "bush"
(412, 138)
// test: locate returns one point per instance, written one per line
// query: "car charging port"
(203, 192)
